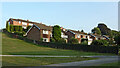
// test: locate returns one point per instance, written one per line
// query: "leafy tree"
(117, 39)
(11, 28)
(104, 29)
(20, 28)
(96, 31)
(56, 33)
(16, 28)
(7, 26)
(73, 41)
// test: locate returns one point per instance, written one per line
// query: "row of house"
(40, 31)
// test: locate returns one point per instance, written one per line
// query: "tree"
(104, 29)
(96, 31)
(73, 41)
(82, 30)
(117, 39)
(11, 28)
(7, 26)
(56, 33)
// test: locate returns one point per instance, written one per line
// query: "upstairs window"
(86, 36)
(81, 36)
(45, 32)
(78, 36)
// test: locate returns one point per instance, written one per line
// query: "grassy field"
(11, 46)
(111, 64)
(35, 61)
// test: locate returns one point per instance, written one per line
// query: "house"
(20, 22)
(79, 36)
(39, 31)
(63, 34)
(98, 37)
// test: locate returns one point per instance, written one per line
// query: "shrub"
(100, 42)
(28, 27)
(20, 28)
(61, 40)
(7, 26)
(56, 33)
(52, 40)
(84, 43)
(117, 39)
(11, 28)
(16, 28)
(73, 41)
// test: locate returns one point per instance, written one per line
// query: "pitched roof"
(43, 26)
(78, 32)
(40, 25)
(97, 36)
(22, 20)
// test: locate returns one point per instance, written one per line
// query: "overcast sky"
(70, 15)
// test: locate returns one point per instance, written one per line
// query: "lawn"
(110, 64)
(36, 61)
(12, 46)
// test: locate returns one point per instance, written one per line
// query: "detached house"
(64, 34)
(98, 37)
(20, 22)
(79, 36)
(39, 32)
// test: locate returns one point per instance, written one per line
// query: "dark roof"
(43, 26)
(78, 32)
(97, 36)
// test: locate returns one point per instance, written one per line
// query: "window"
(86, 36)
(78, 36)
(81, 36)
(45, 39)
(19, 22)
(45, 32)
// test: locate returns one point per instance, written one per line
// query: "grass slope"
(12, 46)
(36, 61)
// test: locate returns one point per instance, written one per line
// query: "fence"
(87, 48)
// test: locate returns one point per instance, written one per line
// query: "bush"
(100, 42)
(7, 26)
(11, 28)
(16, 28)
(52, 40)
(28, 27)
(56, 33)
(73, 41)
(117, 39)
(84, 43)
(20, 28)
(61, 40)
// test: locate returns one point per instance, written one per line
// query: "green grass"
(110, 64)
(35, 61)
(12, 46)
